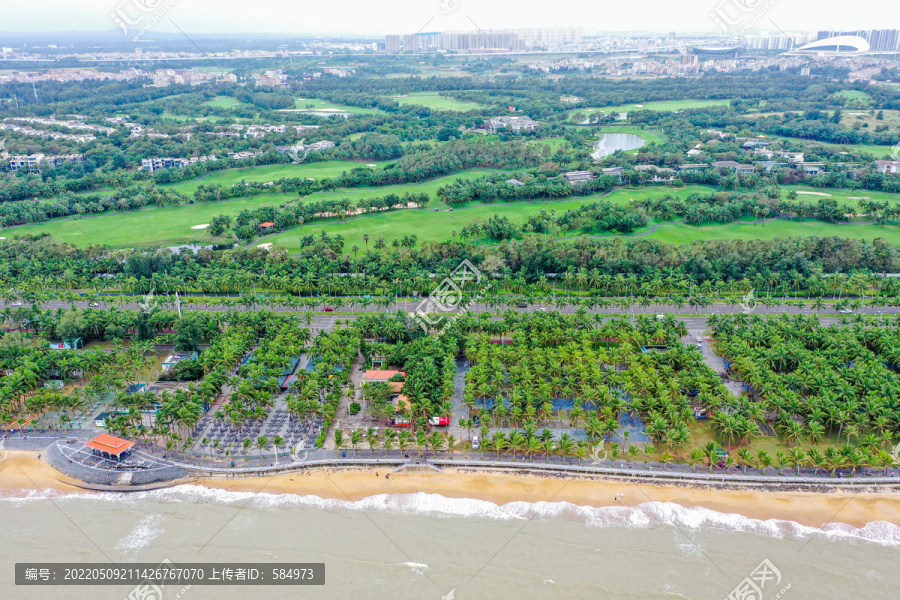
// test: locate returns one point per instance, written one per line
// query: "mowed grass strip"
(429, 225)
(265, 173)
(437, 102)
(164, 226)
(680, 233)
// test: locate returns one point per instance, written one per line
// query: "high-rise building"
(880, 40)
(487, 40)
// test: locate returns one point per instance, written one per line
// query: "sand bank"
(22, 474)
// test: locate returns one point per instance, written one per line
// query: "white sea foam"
(649, 514)
(144, 533)
(419, 568)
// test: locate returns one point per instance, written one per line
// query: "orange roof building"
(403, 403)
(382, 375)
(109, 446)
(267, 224)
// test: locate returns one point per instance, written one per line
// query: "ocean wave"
(140, 537)
(646, 515)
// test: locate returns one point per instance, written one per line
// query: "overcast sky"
(406, 16)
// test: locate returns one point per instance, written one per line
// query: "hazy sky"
(406, 16)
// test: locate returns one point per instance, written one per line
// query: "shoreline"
(23, 474)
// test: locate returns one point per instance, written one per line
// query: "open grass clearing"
(429, 225)
(435, 101)
(165, 226)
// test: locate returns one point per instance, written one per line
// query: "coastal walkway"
(861, 481)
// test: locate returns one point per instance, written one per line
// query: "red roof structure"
(110, 444)
(267, 224)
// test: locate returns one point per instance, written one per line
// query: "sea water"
(421, 546)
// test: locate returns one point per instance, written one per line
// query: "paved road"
(326, 321)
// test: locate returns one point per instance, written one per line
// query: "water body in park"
(611, 142)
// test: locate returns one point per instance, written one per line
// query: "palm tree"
(798, 458)
(261, 442)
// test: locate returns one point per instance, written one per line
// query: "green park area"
(222, 102)
(263, 174)
(436, 101)
(152, 226)
(315, 104)
(438, 222)
(661, 105)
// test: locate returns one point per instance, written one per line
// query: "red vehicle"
(328, 309)
(439, 421)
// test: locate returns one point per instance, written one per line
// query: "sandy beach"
(22, 473)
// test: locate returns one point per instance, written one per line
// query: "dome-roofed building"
(838, 45)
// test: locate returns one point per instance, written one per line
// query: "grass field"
(223, 102)
(680, 233)
(317, 104)
(266, 173)
(850, 116)
(429, 225)
(172, 225)
(437, 102)
(662, 105)
(427, 187)
(877, 151)
(166, 226)
(554, 143)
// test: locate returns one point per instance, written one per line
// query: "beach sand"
(807, 508)
(22, 473)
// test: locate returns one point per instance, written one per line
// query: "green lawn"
(266, 173)
(223, 102)
(554, 143)
(662, 105)
(317, 104)
(429, 225)
(429, 187)
(841, 195)
(170, 225)
(435, 101)
(877, 151)
(680, 233)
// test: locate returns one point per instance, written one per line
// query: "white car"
(699, 339)
(846, 311)
(475, 443)
(16, 303)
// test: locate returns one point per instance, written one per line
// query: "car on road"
(846, 311)
(699, 339)
(699, 345)
(16, 303)
(522, 305)
(93, 305)
(475, 443)
(328, 309)
(542, 309)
